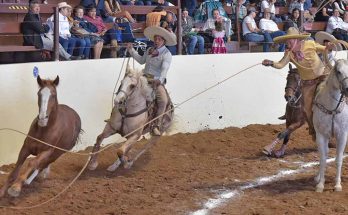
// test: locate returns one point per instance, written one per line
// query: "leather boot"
(113, 52)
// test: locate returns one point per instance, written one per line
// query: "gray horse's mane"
(144, 85)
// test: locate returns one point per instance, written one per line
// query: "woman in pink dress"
(218, 43)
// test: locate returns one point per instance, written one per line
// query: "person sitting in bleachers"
(35, 32)
(113, 8)
(154, 18)
(345, 21)
(95, 40)
(340, 5)
(238, 4)
(252, 33)
(160, 2)
(83, 43)
(268, 25)
(209, 25)
(326, 12)
(109, 35)
(190, 34)
(269, 4)
(293, 21)
(169, 23)
(100, 9)
(335, 26)
(65, 38)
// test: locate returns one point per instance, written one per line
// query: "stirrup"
(282, 117)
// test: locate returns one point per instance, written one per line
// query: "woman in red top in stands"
(108, 35)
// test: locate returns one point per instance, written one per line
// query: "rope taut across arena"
(111, 144)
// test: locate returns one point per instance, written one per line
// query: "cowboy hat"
(291, 33)
(63, 4)
(322, 36)
(170, 38)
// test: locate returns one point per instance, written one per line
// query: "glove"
(267, 62)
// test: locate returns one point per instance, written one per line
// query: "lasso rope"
(108, 146)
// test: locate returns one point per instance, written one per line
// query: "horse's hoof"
(279, 153)
(127, 164)
(114, 166)
(338, 188)
(93, 165)
(317, 178)
(156, 132)
(267, 150)
(319, 188)
(14, 191)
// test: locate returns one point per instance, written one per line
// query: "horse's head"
(293, 86)
(47, 99)
(128, 86)
(341, 73)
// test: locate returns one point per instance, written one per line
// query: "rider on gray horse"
(157, 61)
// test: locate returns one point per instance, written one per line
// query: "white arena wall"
(252, 97)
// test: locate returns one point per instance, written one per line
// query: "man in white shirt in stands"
(335, 26)
(268, 25)
(65, 38)
(252, 33)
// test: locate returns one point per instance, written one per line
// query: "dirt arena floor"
(180, 173)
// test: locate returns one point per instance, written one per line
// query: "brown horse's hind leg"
(16, 188)
(121, 154)
(23, 154)
(107, 132)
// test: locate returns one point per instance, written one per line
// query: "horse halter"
(120, 90)
(297, 94)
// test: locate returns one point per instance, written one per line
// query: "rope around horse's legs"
(108, 146)
(54, 197)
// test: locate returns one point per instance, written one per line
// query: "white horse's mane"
(144, 85)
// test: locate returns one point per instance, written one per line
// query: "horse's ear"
(290, 67)
(39, 81)
(56, 81)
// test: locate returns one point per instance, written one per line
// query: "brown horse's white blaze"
(56, 124)
(45, 94)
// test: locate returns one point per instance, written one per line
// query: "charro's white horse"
(130, 116)
(330, 118)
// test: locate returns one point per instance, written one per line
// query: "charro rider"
(303, 53)
(157, 61)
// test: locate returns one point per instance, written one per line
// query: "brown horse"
(130, 114)
(56, 124)
(295, 115)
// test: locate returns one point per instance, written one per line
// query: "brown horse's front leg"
(23, 154)
(286, 135)
(107, 132)
(16, 188)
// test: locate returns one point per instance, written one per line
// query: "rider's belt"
(314, 81)
(149, 77)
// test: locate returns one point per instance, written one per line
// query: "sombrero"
(170, 38)
(322, 36)
(63, 4)
(292, 33)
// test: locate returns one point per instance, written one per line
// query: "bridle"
(293, 101)
(122, 107)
